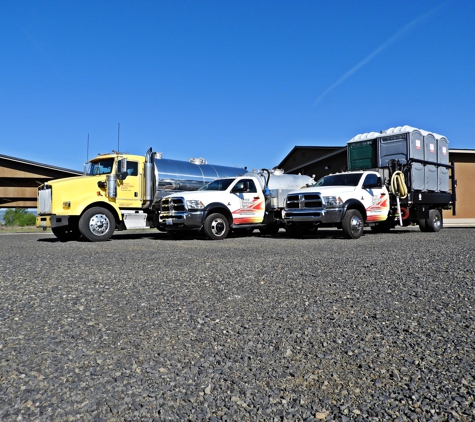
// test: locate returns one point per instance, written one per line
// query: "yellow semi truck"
(119, 192)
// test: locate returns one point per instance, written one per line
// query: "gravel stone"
(249, 328)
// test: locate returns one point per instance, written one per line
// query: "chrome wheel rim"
(99, 224)
(218, 227)
(356, 224)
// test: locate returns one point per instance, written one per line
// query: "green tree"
(19, 217)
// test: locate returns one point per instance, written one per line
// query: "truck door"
(375, 198)
(129, 190)
(247, 202)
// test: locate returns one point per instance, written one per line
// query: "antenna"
(118, 137)
(87, 149)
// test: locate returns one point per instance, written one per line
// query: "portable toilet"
(362, 151)
(430, 155)
(442, 158)
(393, 145)
(404, 143)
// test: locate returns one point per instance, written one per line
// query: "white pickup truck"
(252, 201)
(355, 199)
(344, 200)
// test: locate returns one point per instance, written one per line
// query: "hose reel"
(399, 189)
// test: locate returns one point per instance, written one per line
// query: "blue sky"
(236, 82)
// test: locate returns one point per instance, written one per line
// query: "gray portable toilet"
(416, 148)
(404, 143)
(442, 158)
(430, 170)
(393, 146)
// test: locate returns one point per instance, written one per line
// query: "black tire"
(216, 226)
(176, 234)
(97, 224)
(422, 225)
(270, 229)
(352, 224)
(434, 223)
(66, 233)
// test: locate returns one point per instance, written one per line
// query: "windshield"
(219, 184)
(101, 167)
(344, 179)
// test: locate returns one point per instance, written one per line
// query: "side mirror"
(122, 169)
(378, 184)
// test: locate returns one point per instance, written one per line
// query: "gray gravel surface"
(249, 328)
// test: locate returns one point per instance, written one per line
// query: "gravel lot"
(257, 328)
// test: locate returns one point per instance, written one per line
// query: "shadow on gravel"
(116, 236)
(338, 234)
(326, 233)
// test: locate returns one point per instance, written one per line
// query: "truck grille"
(173, 205)
(303, 201)
(45, 196)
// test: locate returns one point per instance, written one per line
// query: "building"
(19, 180)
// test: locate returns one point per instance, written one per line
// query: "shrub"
(19, 217)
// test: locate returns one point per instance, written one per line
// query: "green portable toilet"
(362, 151)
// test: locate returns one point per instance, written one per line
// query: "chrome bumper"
(181, 220)
(317, 215)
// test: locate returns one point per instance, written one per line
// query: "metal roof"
(34, 163)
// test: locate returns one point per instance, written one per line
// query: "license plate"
(169, 222)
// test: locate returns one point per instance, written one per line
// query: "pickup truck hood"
(328, 190)
(201, 194)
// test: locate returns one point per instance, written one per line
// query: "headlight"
(194, 204)
(332, 200)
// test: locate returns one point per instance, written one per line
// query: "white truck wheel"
(216, 226)
(434, 222)
(352, 224)
(97, 224)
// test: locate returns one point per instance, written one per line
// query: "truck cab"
(93, 205)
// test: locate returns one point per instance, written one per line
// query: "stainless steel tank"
(276, 179)
(175, 175)
(280, 184)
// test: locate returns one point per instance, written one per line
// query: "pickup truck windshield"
(348, 179)
(219, 184)
(101, 167)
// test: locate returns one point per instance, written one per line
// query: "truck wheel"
(216, 226)
(352, 224)
(66, 233)
(422, 225)
(434, 222)
(97, 224)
